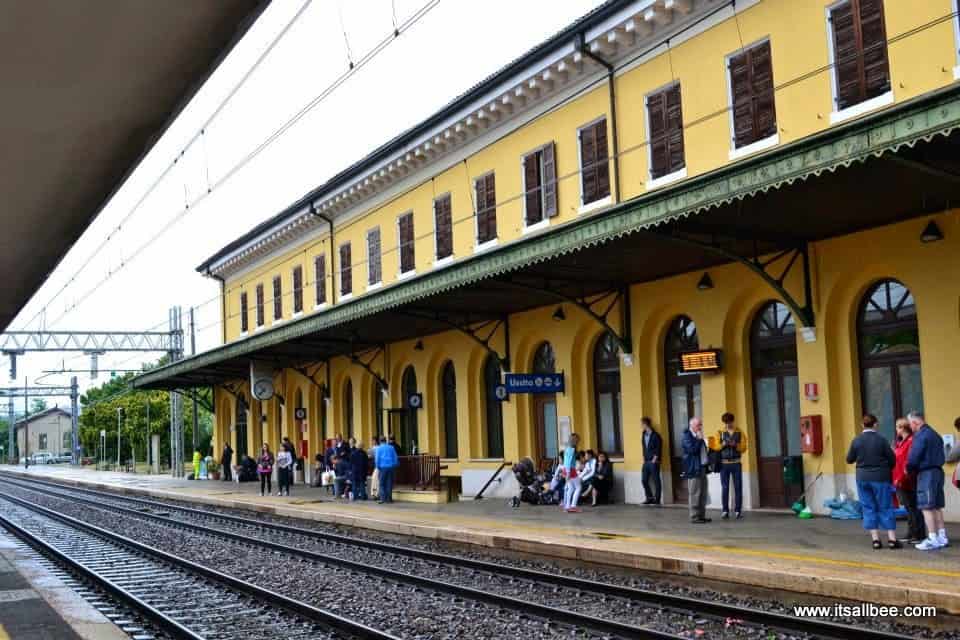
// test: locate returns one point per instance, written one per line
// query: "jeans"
(265, 481)
(651, 481)
(571, 492)
(916, 527)
(697, 496)
(339, 484)
(727, 471)
(359, 488)
(875, 498)
(386, 485)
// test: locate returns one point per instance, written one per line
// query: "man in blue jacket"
(695, 470)
(926, 461)
(386, 461)
(652, 447)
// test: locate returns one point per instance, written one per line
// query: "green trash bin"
(793, 471)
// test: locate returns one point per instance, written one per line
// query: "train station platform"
(776, 550)
(35, 605)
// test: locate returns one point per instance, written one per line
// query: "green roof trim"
(920, 119)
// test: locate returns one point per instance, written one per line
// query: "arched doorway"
(547, 440)
(241, 427)
(448, 410)
(493, 410)
(776, 400)
(348, 410)
(606, 386)
(889, 345)
(407, 438)
(683, 395)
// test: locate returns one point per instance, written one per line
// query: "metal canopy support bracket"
(481, 332)
(355, 358)
(766, 268)
(194, 395)
(324, 387)
(606, 302)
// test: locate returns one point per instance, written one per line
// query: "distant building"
(49, 431)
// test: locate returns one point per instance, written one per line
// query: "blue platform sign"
(534, 382)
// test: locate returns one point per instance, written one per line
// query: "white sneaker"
(943, 541)
(929, 544)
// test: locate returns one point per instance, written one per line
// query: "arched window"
(408, 424)
(776, 399)
(348, 409)
(492, 408)
(606, 384)
(683, 394)
(448, 396)
(889, 345)
(545, 360)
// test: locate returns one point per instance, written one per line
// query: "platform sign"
(500, 392)
(534, 382)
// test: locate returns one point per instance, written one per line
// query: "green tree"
(38, 405)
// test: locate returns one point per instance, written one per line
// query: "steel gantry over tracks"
(25, 392)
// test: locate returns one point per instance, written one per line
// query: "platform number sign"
(415, 401)
(534, 382)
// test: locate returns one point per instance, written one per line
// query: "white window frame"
(679, 174)
(544, 222)
(374, 285)
(401, 274)
(478, 246)
(345, 296)
(596, 204)
(444, 261)
(841, 115)
(293, 290)
(763, 143)
(956, 38)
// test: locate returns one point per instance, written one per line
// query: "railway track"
(182, 599)
(291, 539)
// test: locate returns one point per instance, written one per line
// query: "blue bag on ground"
(844, 509)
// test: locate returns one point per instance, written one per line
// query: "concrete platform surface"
(770, 549)
(35, 605)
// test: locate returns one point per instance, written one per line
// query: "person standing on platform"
(386, 460)
(225, 459)
(358, 470)
(265, 468)
(875, 461)
(731, 443)
(926, 459)
(284, 470)
(652, 450)
(569, 472)
(196, 464)
(906, 483)
(695, 470)
(340, 447)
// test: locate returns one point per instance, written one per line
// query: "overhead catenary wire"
(340, 80)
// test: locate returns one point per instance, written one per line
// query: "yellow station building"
(770, 181)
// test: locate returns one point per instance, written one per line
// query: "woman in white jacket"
(589, 471)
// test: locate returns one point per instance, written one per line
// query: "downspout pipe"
(223, 304)
(580, 45)
(333, 280)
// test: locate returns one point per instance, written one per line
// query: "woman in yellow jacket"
(196, 465)
(731, 443)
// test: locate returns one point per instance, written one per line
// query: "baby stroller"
(531, 485)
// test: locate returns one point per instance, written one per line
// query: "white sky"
(452, 48)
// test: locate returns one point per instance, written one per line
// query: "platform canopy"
(87, 88)
(891, 166)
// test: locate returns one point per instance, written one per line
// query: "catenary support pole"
(11, 433)
(74, 422)
(196, 415)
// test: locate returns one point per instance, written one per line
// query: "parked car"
(42, 457)
(63, 457)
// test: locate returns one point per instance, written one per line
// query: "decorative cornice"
(638, 26)
(904, 125)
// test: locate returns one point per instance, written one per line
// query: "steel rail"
(264, 595)
(820, 628)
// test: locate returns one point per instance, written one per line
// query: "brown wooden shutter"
(444, 226)
(486, 209)
(742, 92)
(481, 193)
(674, 129)
(259, 305)
(277, 298)
(846, 55)
(659, 141)
(407, 256)
(243, 312)
(761, 77)
(374, 274)
(320, 278)
(588, 155)
(549, 179)
(491, 207)
(531, 184)
(346, 270)
(873, 44)
(603, 161)
(297, 289)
